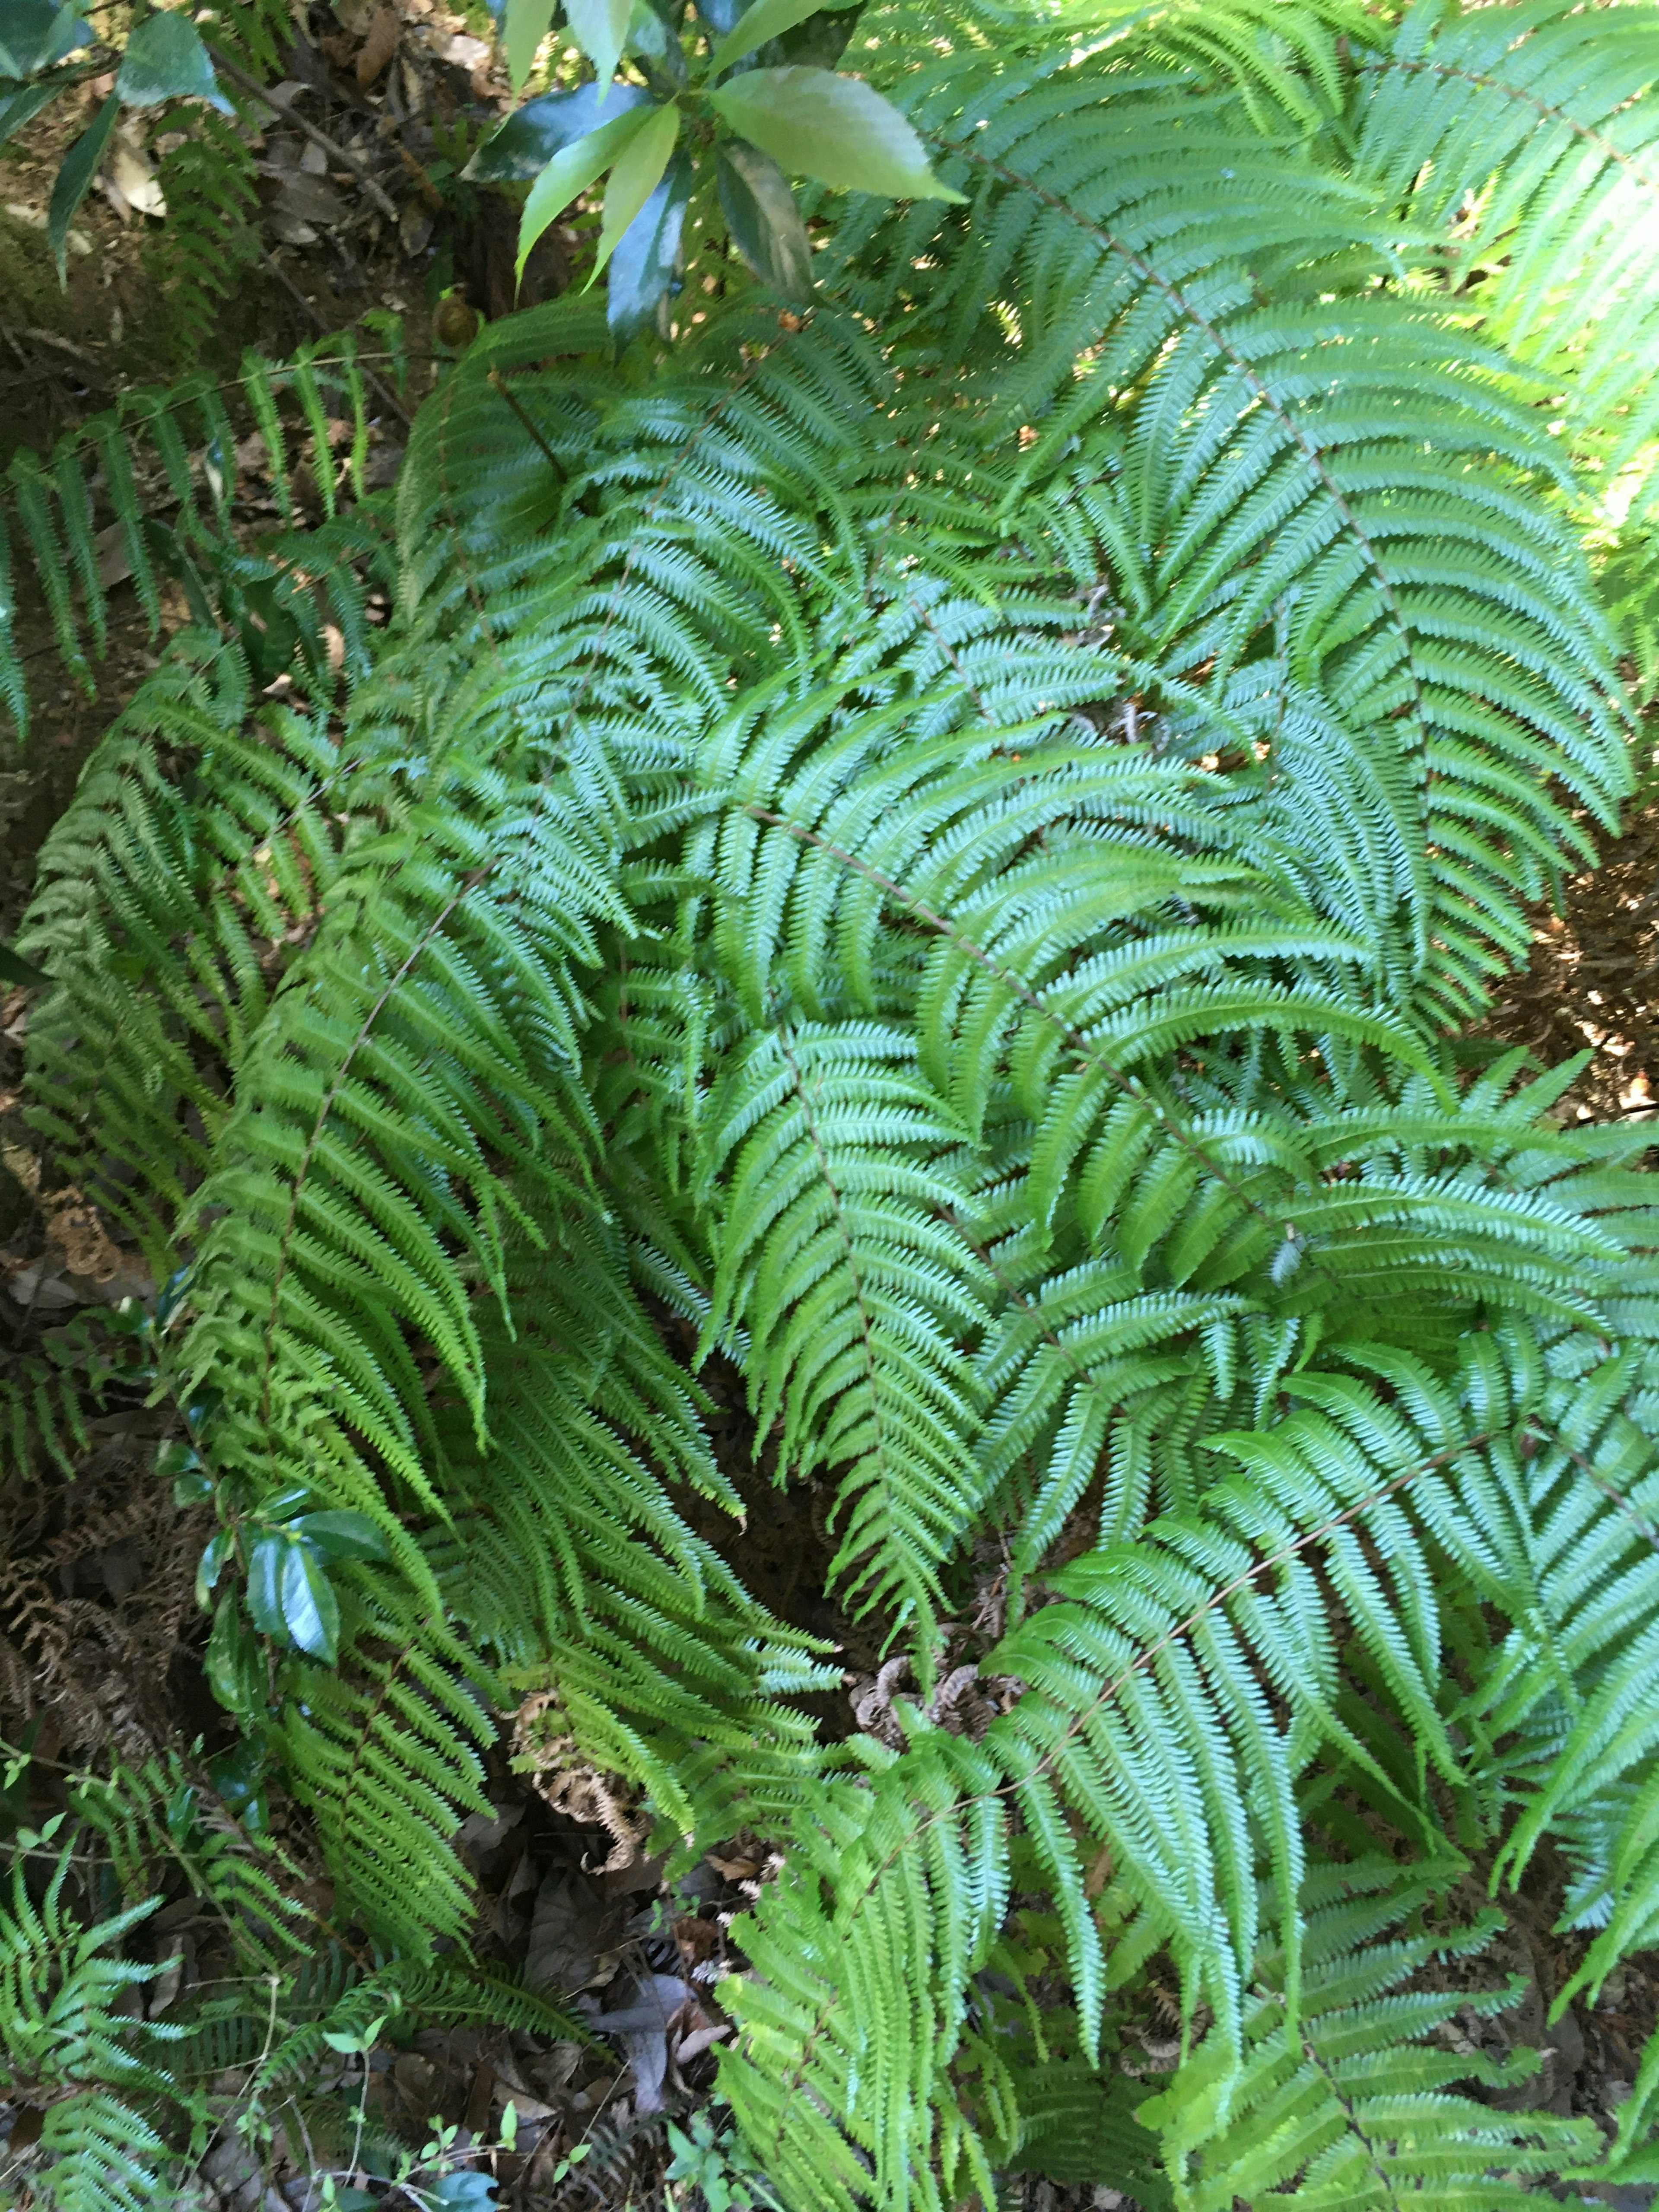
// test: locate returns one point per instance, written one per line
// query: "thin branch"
(291, 114)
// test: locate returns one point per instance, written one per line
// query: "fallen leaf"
(571, 1933)
(378, 47)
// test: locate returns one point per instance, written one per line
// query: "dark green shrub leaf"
(342, 1535)
(310, 1609)
(235, 1669)
(20, 104)
(12, 969)
(166, 60)
(527, 141)
(80, 167)
(644, 267)
(836, 129)
(638, 173)
(600, 28)
(35, 34)
(766, 19)
(192, 1486)
(283, 1502)
(239, 1776)
(265, 1586)
(651, 33)
(765, 223)
(212, 1565)
(570, 172)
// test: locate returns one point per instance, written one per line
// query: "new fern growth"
(950, 845)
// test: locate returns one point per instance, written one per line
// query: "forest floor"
(566, 1894)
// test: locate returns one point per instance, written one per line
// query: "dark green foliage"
(171, 451)
(200, 256)
(944, 846)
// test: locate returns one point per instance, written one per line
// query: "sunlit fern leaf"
(179, 882)
(1528, 143)
(1352, 2104)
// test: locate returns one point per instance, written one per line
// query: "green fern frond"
(198, 257)
(1350, 2104)
(173, 449)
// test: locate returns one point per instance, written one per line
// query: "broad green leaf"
(165, 60)
(239, 1776)
(234, 1660)
(527, 141)
(265, 1585)
(342, 1535)
(765, 223)
(212, 1565)
(646, 260)
(80, 167)
(650, 33)
(36, 34)
(22, 104)
(638, 173)
(816, 124)
(571, 171)
(14, 970)
(310, 1609)
(524, 26)
(766, 19)
(600, 28)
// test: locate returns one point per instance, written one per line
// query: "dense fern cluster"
(952, 844)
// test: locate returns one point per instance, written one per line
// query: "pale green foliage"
(943, 850)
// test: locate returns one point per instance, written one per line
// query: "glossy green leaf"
(238, 1775)
(529, 139)
(342, 1534)
(646, 264)
(74, 178)
(36, 34)
(638, 173)
(651, 34)
(766, 225)
(524, 26)
(816, 124)
(310, 1609)
(282, 1502)
(166, 59)
(14, 970)
(571, 171)
(600, 28)
(236, 1661)
(212, 1565)
(21, 104)
(766, 19)
(265, 1585)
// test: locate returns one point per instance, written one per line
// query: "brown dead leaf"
(86, 1246)
(378, 47)
(735, 1869)
(545, 1748)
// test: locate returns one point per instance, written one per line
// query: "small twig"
(501, 384)
(387, 396)
(291, 114)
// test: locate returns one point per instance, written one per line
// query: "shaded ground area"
(1593, 980)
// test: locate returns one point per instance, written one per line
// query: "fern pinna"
(951, 845)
